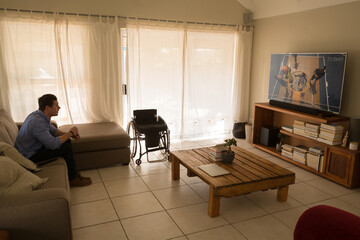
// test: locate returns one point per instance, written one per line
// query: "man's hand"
(75, 133)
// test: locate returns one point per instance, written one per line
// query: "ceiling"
(271, 8)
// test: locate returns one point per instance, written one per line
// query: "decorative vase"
(278, 147)
(239, 130)
(227, 157)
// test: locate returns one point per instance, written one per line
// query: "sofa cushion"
(8, 128)
(57, 173)
(98, 136)
(16, 179)
(11, 152)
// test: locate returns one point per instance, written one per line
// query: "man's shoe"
(80, 182)
(86, 178)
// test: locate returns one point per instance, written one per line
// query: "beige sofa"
(45, 213)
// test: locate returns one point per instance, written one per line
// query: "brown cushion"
(98, 136)
(8, 128)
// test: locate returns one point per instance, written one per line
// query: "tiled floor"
(142, 202)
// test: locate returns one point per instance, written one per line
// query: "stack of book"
(315, 158)
(288, 128)
(312, 130)
(331, 134)
(299, 154)
(287, 150)
(299, 127)
(215, 152)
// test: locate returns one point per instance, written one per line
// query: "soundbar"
(298, 108)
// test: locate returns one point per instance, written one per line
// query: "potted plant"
(280, 141)
(227, 156)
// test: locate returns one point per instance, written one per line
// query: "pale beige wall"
(330, 29)
(213, 11)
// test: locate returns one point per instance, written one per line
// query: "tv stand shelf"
(313, 141)
(341, 164)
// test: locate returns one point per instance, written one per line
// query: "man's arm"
(64, 136)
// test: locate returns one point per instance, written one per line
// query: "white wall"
(330, 29)
(213, 11)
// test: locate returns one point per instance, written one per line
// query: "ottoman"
(100, 145)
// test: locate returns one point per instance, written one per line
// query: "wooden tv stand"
(341, 164)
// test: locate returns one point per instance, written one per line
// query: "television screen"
(313, 80)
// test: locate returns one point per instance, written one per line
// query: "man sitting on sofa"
(39, 140)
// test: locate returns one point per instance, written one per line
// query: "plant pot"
(227, 157)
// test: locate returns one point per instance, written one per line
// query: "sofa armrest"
(41, 214)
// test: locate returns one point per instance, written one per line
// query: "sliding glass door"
(186, 74)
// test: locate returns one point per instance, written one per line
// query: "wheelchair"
(147, 126)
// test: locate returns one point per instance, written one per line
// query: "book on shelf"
(288, 128)
(332, 127)
(313, 160)
(331, 134)
(311, 134)
(298, 122)
(287, 147)
(295, 126)
(299, 159)
(310, 130)
(329, 142)
(300, 155)
(311, 126)
(331, 138)
(286, 153)
(299, 131)
(316, 150)
(300, 148)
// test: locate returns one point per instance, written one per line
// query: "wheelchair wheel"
(133, 138)
(138, 162)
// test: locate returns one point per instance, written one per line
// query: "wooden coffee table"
(248, 173)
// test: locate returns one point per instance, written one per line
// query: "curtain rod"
(122, 17)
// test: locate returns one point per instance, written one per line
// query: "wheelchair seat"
(146, 125)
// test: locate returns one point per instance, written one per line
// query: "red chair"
(327, 223)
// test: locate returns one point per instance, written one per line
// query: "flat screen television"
(310, 81)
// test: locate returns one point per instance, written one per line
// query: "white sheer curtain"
(187, 73)
(155, 71)
(74, 57)
(208, 83)
(242, 69)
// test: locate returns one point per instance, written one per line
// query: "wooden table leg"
(214, 203)
(282, 194)
(175, 167)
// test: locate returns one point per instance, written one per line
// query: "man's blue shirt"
(36, 132)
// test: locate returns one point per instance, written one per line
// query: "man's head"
(49, 105)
